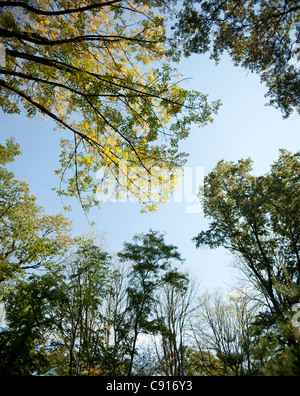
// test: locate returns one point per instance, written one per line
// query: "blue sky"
(244, 128)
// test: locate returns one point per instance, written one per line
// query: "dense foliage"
(260, 35)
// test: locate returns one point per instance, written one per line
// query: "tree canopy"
(101, 72)
(260, 35)
(257, 220)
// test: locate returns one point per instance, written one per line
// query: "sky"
(243, 128)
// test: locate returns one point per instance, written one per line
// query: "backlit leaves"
(101, 73)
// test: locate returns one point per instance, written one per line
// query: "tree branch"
(65, 67)
(40, 40)
(30, 8)
(76, 132)
(44, 110)
(119, 133)
(63, 86)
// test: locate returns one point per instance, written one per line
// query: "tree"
(56, 323)
(257, 219)
(29, 239)
(114, 310)
(24, 338)
(79, 327)
(175, 309)
(92, 68)
(262, 36)
(223, 336)
(151, 260)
